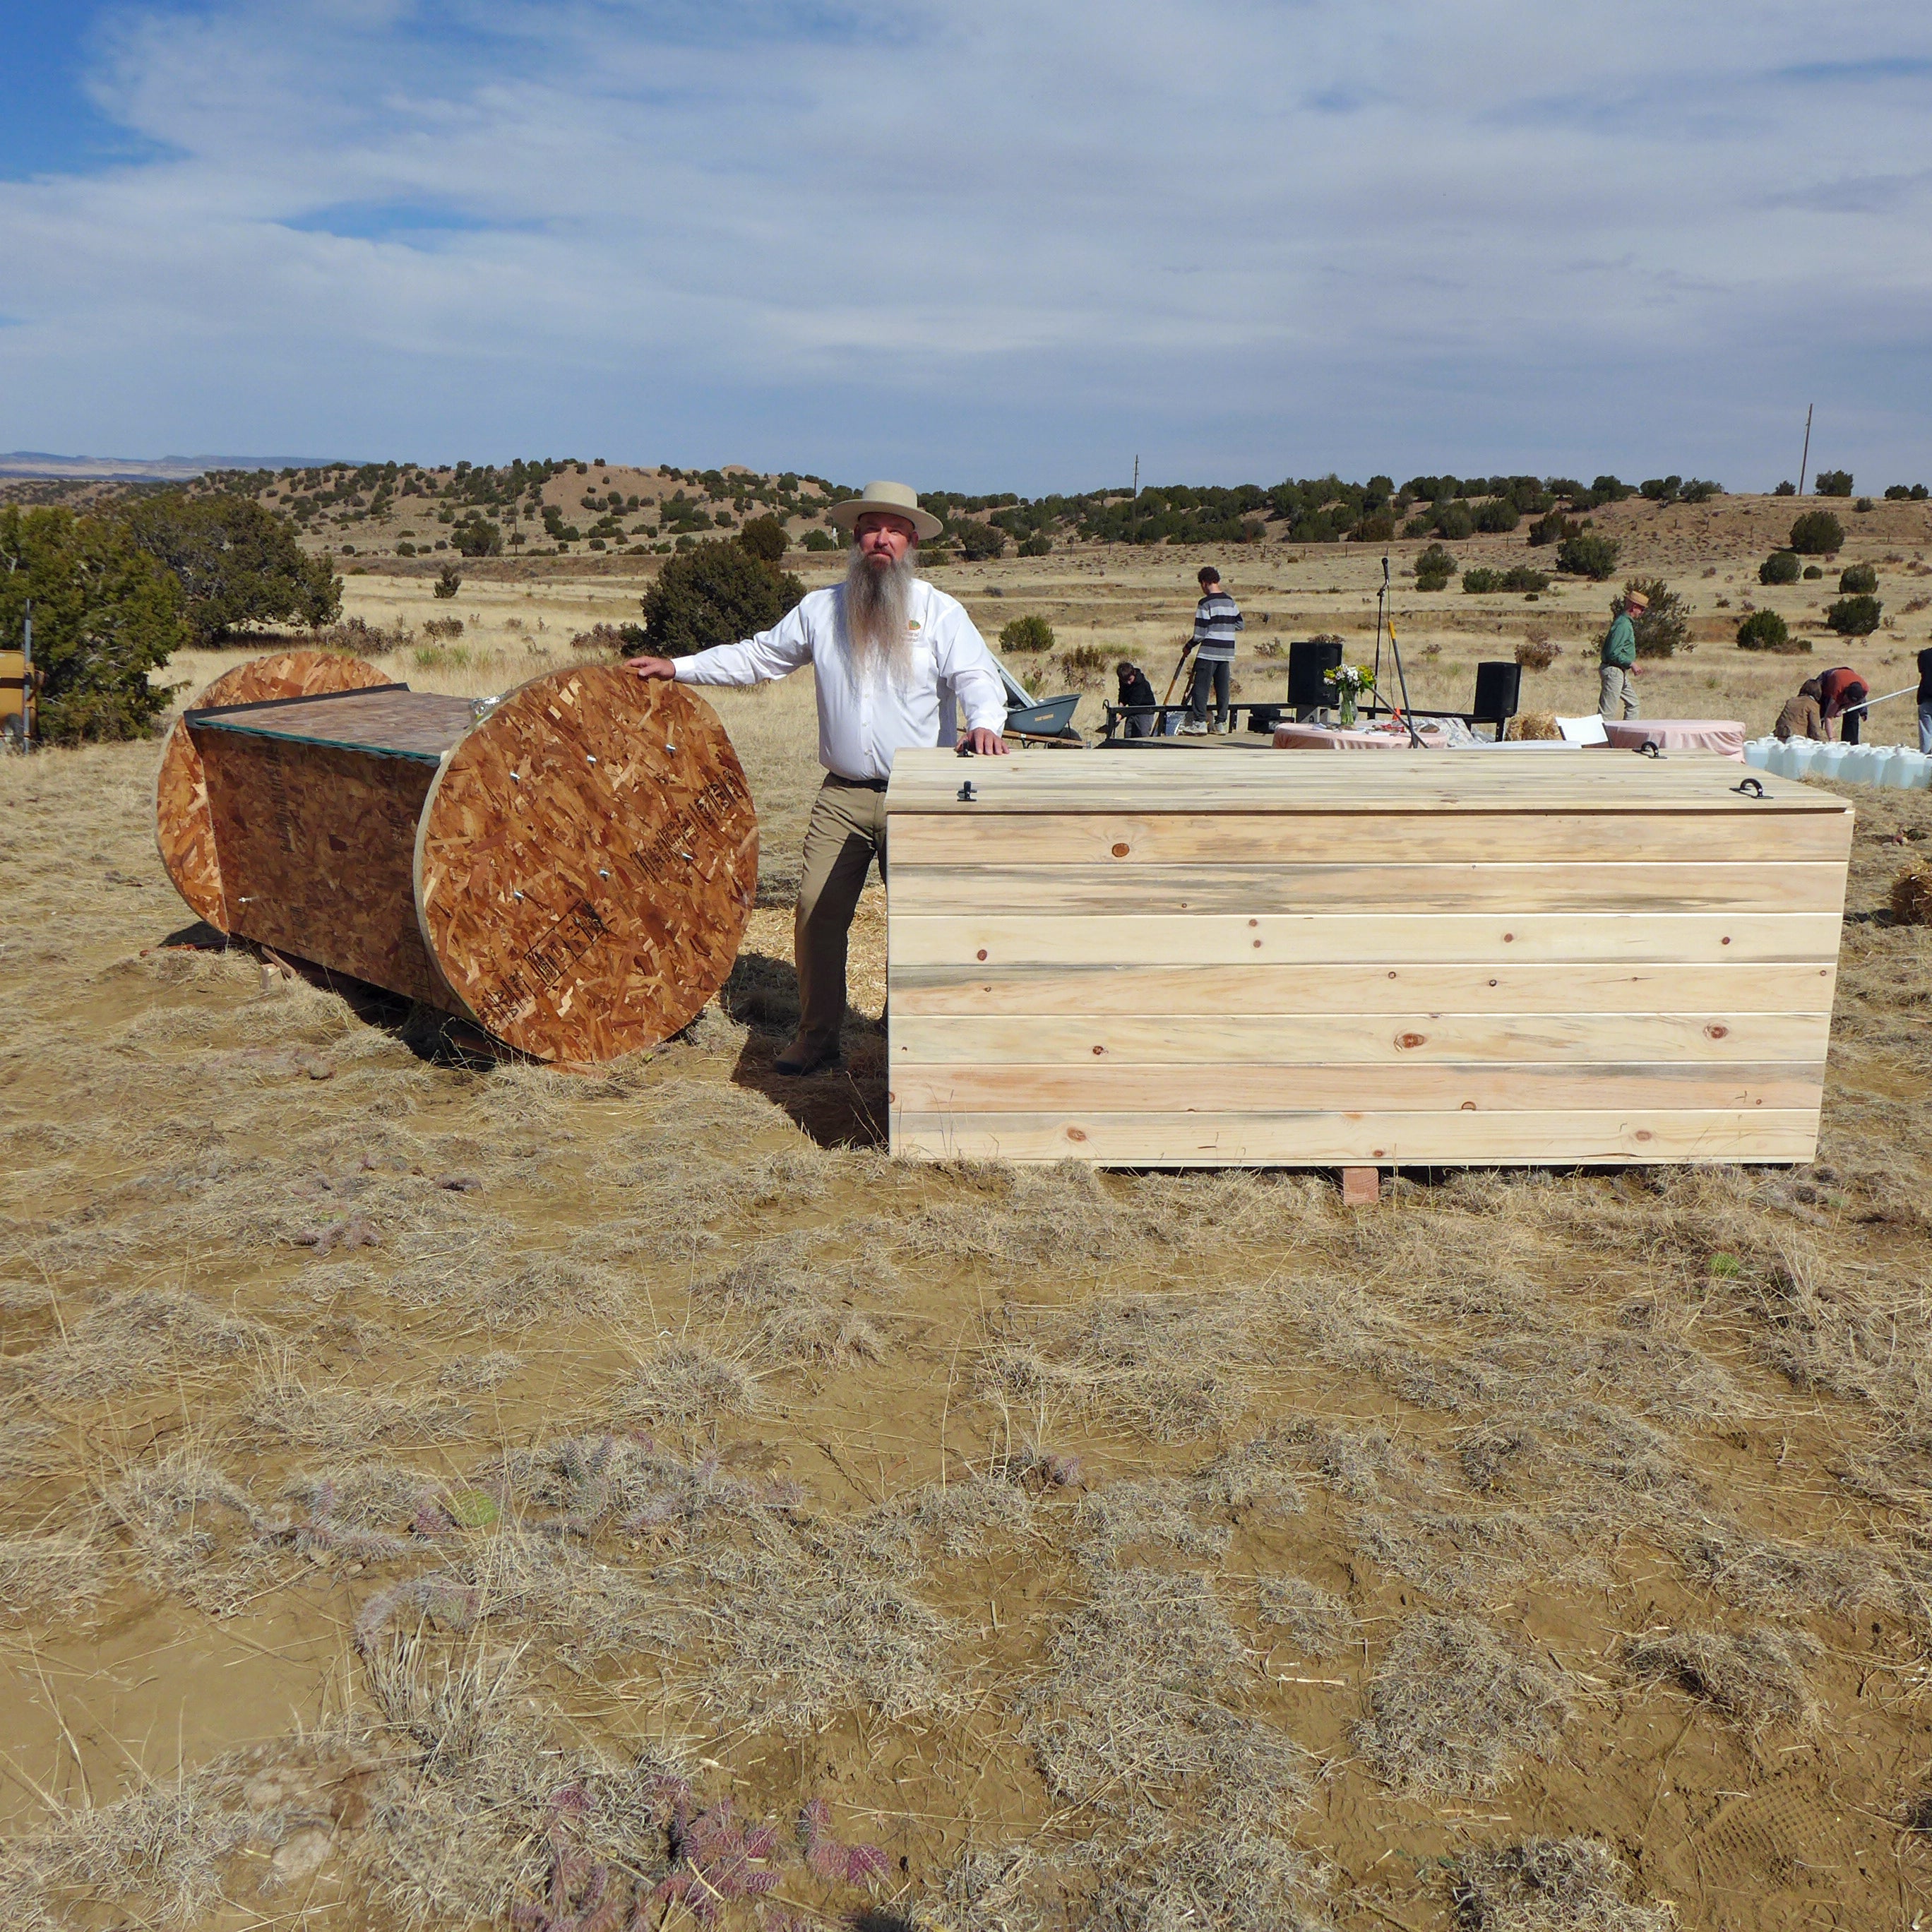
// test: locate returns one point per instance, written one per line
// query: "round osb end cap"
(183, 825)
(585, 864)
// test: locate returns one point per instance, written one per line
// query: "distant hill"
(38, 463)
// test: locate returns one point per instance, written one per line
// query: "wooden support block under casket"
(570, 866)
(1453, 959)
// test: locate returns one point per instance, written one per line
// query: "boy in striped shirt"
(1216, 619)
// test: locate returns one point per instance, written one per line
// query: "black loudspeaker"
(1310, 665)
(1264, 717)
(1499, 686)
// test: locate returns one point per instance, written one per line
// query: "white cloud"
(1006, 245)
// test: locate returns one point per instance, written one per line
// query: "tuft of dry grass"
(1313, 1622)
(1550, 1885)
(1755, 1677)
(1454, 1704)
(60, 1575)
(1165, 1366)
(685, 1382)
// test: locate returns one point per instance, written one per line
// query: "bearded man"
(887, 651)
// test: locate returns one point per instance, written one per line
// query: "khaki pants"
(1619, 693)
(847, 833)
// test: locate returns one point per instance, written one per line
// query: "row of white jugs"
(1895, 765)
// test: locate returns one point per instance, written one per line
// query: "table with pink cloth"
(1333, 738)
(1724, 736)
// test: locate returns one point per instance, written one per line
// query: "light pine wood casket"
(570, 867)
(1453, 958)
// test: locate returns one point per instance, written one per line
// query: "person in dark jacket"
(1925, 700)
(1137, 697)
(1842, 694)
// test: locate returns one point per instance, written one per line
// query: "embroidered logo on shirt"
(912, 627)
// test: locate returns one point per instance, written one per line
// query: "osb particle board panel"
(1582, 960)
(316, 843)
(184, 831)
(13, 683)
(586, 863)
(392, 721)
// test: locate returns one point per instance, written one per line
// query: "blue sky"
(1005, 246)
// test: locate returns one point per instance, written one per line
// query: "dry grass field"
(439, 1494)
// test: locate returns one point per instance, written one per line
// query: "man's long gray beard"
(878, 597)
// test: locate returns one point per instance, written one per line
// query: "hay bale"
(1911, 896)
(1535, 726)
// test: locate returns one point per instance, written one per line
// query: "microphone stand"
(1401, 676)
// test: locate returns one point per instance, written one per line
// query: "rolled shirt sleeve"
(961, 657)
(786, 647)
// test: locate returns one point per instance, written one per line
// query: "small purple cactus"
(578, 1898)
(836, 1864)
(716, 1862)
(443, 1598)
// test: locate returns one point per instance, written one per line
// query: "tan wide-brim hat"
(897, 498)
(1636, 600)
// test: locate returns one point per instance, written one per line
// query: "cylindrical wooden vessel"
(570, 867)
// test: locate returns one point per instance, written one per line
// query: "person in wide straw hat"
(888, 655)
(1617, 696)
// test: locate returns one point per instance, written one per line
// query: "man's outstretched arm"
(774, 653)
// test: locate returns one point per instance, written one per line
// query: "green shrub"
(236, 561)
(1864, 506)
(1661, 489)
(477, 536)
(979, 542)
(449, 583)
(1859, 580)
(1781, 567)
(1082, 666)
(1854, 617)
(714, 593)
(1699, 489)
(1038, 544)
(765, 538)
(405, 548)
(1554, 528)
(1027, 634)
(1898, 492)
(1832, 483)
(1587, 555)
(1453, 519)
(1417, 526)
(1763, 631)
(1664, 624)
(1378, 526)
(106, 613)
(1497, 515)
(1787, 488)
(1812, 573)
(1817, 533)
(1518, 577)
(1434, 568)
(818, 540)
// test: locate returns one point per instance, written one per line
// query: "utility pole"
(1806, 458)
(1137, 476)
(27, 680)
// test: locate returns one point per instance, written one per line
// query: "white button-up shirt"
(863, 720)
